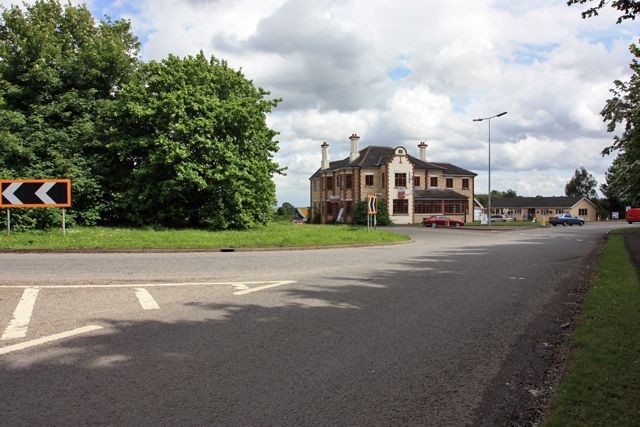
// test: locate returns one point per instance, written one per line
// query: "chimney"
(423, 151)
(354, 147)
(325, 156)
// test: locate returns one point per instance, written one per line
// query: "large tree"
(628, 8)
(59, 71)
(623, 110)
(581, 184)
(193, 146)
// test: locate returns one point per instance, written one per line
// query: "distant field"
(273, 235)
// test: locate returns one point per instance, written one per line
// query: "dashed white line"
(43, 340)
(146, 300)
(22, 315)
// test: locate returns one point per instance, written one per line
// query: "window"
(349, 181)
(368, 180)
(416, 181)
(582, 211)
(434, 181)
(339, 180)
(454, 206)
(465, 183)
(400, 206)
(449, 182)
(329, 182)
(401, 180)
(427, 206)
(545, 211)
(314, 184)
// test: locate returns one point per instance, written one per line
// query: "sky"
(397, 73)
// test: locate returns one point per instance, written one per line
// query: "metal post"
(489, 213)
(8, 221)
(64, 225)
(489, 166)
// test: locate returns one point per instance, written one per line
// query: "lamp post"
(489, 192)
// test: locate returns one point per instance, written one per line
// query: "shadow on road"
(419, 343)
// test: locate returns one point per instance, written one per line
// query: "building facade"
(411, 188)
(542, 208)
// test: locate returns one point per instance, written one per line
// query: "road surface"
(410, 334)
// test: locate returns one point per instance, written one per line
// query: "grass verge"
(602, 383)
(273, 235)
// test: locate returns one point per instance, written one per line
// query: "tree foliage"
(286, 210)
(628, 8)
(495, 195)
(622, 110)
(181, 142)
(59, 70)
(582, 184)
(193, 146)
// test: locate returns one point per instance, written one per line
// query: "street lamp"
(489, 120)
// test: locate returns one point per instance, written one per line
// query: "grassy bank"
(602, 384)
(273, 235)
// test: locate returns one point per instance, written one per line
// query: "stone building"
(412, 188)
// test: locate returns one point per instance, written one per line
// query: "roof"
(303, 212)
(450, 169)
(375, 156)
(537, 202)
(437, 193)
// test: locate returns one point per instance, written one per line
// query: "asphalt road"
(408, 334)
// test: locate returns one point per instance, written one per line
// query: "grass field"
(602, 384)
(273, 235)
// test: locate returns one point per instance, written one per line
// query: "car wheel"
(434, 225)
(581, 223)
(630, 222)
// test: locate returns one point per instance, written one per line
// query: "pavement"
(424, 333)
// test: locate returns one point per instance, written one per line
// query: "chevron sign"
(35, 193)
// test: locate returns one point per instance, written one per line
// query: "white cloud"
(330, 60)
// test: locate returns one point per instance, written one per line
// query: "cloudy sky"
(402, 72)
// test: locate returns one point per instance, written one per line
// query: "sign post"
(35, 193)
(373, 210)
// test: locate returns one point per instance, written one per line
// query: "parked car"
(442, 221)
(566, 219)
(633, 215)
(502, 218)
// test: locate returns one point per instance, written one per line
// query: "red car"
(442, 221)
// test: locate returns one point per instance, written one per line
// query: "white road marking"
(240, 286)
(22, 315)
(153, 285)
(44, 340)
(259, 288)
(146, 300)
